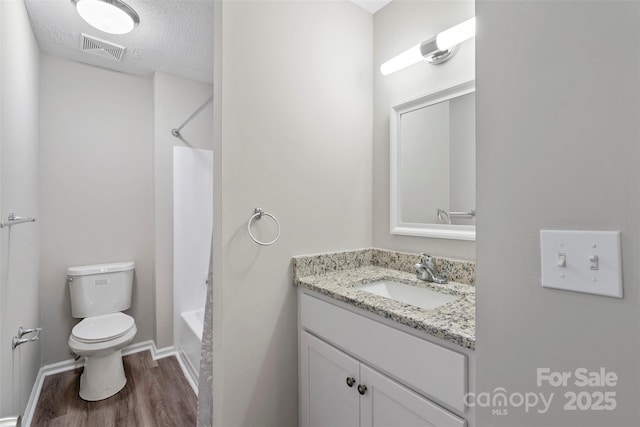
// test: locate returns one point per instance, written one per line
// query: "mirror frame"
(442, 231)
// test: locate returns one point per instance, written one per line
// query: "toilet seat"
(102, 328)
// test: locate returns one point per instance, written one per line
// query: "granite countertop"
(453, 322)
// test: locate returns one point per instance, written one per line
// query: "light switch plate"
(582, 261)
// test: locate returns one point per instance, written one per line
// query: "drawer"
(426, 367)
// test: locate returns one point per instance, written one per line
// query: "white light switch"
(582, 261)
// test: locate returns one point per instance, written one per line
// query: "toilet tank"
(100, 288)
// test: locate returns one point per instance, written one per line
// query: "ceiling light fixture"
(110, 16)
(436, 50)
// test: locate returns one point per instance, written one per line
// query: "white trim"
(442, 231)
(193, 382)
(71, 364)
(45, 371)
(193, 372)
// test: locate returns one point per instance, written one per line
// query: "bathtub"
(190, 340)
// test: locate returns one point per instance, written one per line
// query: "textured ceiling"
(174, 36)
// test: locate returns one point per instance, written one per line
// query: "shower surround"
(192, 227)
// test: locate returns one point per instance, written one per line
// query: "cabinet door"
(385, 403)
(326, 399)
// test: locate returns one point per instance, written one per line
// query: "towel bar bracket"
(13, 219)
(18, 340)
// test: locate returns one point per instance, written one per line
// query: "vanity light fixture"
(436, 50)
(110, 16)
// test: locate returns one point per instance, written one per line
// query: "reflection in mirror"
(433, 165)
(438, 161)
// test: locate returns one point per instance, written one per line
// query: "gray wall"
(175, 99)
(398, 26)
(295, 140)
(96, 188)
(19, 62)
(557, 116)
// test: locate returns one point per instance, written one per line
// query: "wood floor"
(156, 395)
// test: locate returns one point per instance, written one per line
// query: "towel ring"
(258, 215)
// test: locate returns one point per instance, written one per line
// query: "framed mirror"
(433, 174)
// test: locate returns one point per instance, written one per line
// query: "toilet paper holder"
(18, 340)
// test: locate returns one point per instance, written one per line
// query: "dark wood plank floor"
(156, 395)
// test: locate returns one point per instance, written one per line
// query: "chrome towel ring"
(258, 213)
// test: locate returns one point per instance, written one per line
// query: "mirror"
(433, 176)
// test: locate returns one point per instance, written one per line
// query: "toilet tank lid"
(114, 267)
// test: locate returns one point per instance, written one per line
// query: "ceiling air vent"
(102, 48)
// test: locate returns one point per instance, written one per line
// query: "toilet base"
(103, 376)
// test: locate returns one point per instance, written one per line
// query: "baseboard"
(162, 353)
(71, 364)
(193, 372)
(191, 379)
(43, 372)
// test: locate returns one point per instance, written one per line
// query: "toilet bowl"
(98, 295)
(100, 340)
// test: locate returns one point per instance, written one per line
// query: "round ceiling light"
(110, 16)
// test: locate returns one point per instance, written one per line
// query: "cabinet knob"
(362, 389)
(351, 381)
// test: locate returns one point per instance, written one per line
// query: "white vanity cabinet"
(329, 380)
(355, 371)
(387, 403)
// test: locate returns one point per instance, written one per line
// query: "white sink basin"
(408, 294)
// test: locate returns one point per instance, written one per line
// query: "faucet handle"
(426, 258)
(429, 260)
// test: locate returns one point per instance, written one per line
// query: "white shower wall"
(192, 227)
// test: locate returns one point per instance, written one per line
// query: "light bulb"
(456, 35)
(436, 50)
(405, 59)
(110, 16)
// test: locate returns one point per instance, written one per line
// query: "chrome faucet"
(427, 271)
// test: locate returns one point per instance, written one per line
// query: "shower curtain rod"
(176, 132)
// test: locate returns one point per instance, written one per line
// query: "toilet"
(98, 295)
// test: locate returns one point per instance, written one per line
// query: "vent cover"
(102, 48)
